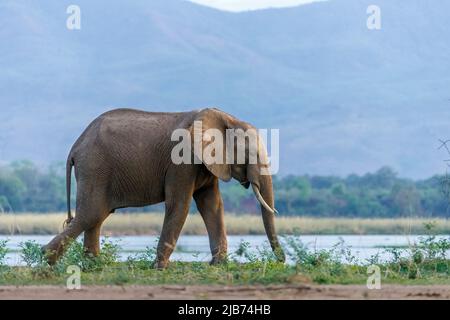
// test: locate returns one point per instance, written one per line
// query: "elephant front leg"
(176, 213)
(210, 205)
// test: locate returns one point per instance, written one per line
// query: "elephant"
(123, 159)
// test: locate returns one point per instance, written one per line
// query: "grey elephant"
(123, 159)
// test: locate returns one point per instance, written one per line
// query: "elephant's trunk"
(264, 194)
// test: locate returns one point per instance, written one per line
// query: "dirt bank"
(298, 292)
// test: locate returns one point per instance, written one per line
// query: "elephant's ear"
(208, 133)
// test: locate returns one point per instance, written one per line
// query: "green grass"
(424, 262)
(182, 273)
(151, 224)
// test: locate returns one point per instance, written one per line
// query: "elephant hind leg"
(93, 215)
(88, 219)
(55, 248)
(92, 240)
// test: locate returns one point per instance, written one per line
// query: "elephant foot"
(280, 255)
(218, 260)
(91, 254)
(54, 249)
(50, 255)
(161, 264)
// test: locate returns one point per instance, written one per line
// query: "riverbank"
(151, 224)
(319, 273)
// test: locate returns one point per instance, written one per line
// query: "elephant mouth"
(245, 184)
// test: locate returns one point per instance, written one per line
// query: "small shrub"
(3, 252)
(109, 253)
(243, 251)
(32, 254)
(374, 259)
(75, 255)
(144, 260)
(306, 258)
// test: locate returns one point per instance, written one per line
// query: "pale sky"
(243, 5)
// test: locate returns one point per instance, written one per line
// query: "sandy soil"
(295, 292)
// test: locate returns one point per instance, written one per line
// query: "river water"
(196, 248)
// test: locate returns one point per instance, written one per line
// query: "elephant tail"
(69, 166)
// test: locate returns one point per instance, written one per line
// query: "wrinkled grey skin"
(123, 159)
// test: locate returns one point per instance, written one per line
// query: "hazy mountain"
(347, 99)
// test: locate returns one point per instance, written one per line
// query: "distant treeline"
(26, 188)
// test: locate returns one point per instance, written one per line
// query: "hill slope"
(347, 99)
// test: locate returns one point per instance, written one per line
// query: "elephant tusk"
(261, 200)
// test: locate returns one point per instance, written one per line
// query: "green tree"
(405, 200)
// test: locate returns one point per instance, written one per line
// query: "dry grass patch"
(151, 224)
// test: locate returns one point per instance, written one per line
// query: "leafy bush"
(3, 251)
(32, 254)
(143, 260)
(75, 255)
